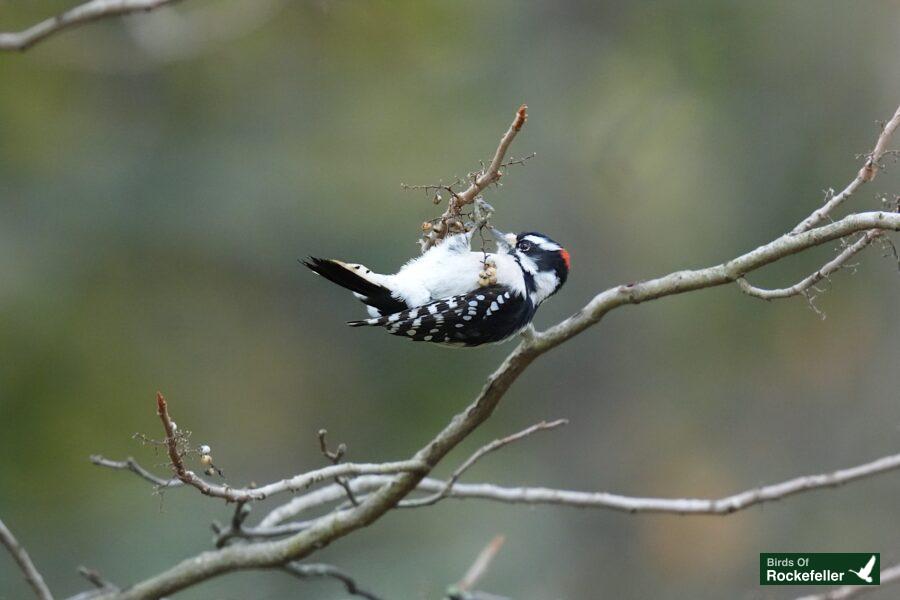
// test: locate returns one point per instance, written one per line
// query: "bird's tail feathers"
(358, 279)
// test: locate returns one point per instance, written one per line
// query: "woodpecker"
(453, 296)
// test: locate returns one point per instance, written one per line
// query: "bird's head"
(543, 261)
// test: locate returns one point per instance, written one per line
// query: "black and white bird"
(451, 295)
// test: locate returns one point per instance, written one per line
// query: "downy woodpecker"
(453, 296)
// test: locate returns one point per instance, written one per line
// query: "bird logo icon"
(866, 572)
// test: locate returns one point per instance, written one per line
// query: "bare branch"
(867, 173)
(487, 449)
(20, 555)
(81, 14)
(890, 575)
(694, 506)
(335, 458)
(96, 579)
(805, 284)
(724, 273)
(337, 524)
(481, 565)
(307, 571)
(630, 504)
(129, 464)
(487, 176)
(293, 484)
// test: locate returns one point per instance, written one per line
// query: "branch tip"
(521, 117)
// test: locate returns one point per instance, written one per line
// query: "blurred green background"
(161, 174)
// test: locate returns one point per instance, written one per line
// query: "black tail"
(346, 276)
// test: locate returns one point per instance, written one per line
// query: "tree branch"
(307, 571)
(727, 272)
(337, 524)
(20, 555)
(866, 173)
(486, 449)
(293, 484)
(630, 504)
(479, 567)
(479, 182)
(129, 464)
(826, 270)
(81, 14)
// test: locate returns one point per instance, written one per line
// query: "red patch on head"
(565, 256)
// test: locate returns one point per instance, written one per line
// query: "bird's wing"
(482, 316)
(868, 568)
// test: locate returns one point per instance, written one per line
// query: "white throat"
(545, 282)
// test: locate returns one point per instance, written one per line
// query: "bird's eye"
(524, 246)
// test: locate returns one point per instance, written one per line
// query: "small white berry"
(204, 449)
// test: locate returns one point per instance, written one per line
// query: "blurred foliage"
(154, 200)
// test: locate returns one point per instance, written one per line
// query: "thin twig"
(486, 449)
(20, 555)
(805, 284)
(335, 458)
(890, 575)
(130, 464)
(866, 174)
(307, 571)
(83, 13)
(96, 579)
(479, 182)
(481, 565)
(293, 484)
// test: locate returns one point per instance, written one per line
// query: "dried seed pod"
(437, 198)
(484, 281)
(484, 275)
(426, 226)
(206, 460)
(455, 225)
(491, 272)
(210, 471)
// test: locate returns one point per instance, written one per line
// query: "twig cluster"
(452, 220)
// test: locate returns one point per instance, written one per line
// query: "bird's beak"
(505, 241)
